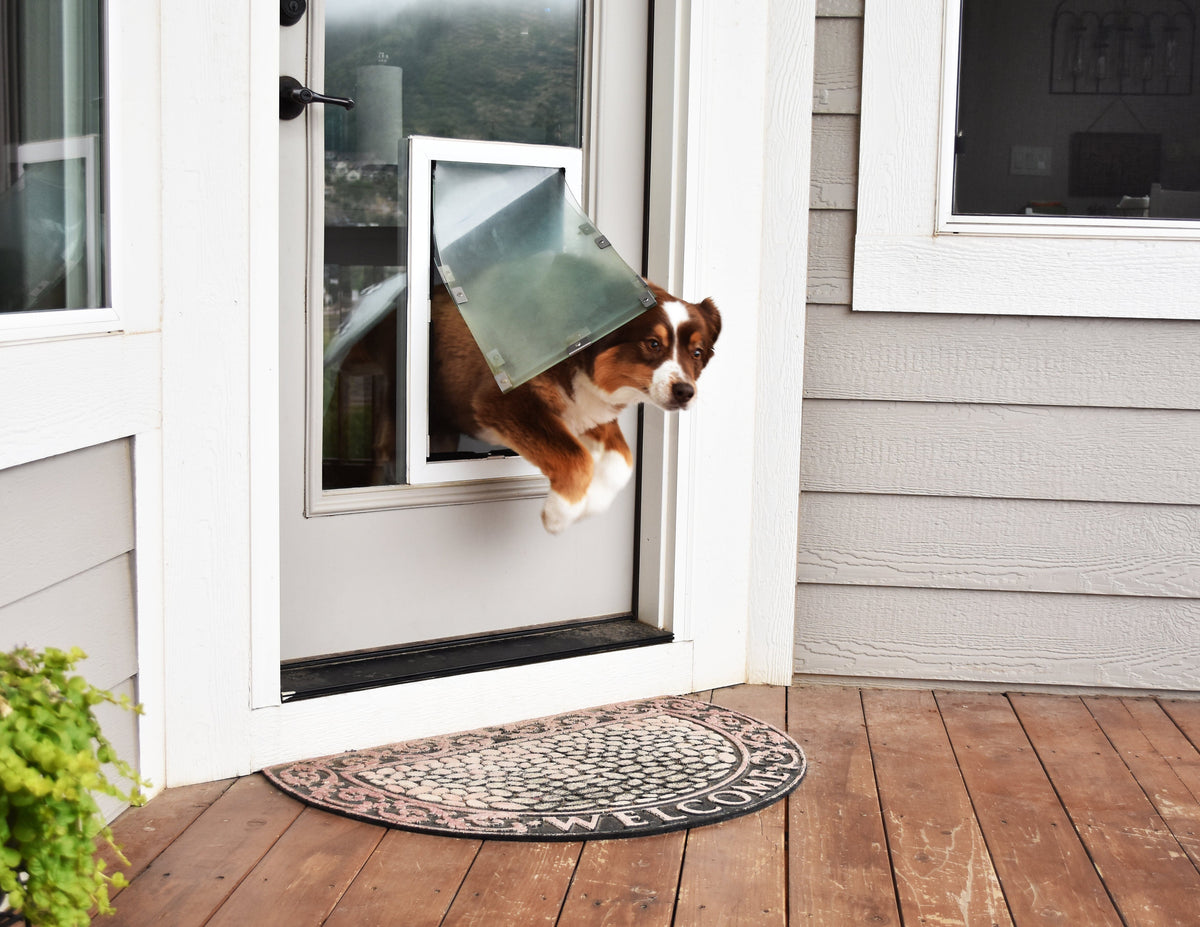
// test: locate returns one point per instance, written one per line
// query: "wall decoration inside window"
(1113, 163)
(1122, 47)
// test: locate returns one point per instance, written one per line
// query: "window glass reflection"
(51, 135)
(501, 70)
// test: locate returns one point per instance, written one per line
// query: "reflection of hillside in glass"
(500, 70)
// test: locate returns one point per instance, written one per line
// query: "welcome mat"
(623, 770)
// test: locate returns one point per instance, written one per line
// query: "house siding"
(993, 499)
(66, 570)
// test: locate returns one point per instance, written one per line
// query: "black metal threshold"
(313, 678)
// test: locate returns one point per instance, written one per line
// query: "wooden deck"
(919, 808)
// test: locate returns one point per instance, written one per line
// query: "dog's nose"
(681, 392)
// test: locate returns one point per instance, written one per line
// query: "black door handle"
(294, 96)
(291, 11)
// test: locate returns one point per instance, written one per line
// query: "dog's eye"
(698, 353)
(653, 344)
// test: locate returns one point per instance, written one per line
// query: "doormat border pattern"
(626, 770)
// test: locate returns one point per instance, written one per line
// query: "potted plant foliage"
(52, 759)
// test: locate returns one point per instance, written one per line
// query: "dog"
(563, 421)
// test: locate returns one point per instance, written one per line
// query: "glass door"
(374, 563)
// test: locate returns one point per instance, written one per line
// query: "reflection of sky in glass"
(347, 10)
(501, 70)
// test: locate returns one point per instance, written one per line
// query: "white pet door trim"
(423, 153)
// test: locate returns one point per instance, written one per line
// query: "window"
(973, 222)
(507, 72)
(52, 185)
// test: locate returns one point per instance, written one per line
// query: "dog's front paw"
(611, 474)
(558, 514)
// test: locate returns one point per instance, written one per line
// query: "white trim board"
(423, 153)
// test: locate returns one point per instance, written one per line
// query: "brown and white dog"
(563, 421)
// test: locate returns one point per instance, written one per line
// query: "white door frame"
(728, 219)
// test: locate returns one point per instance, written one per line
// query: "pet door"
(534, 279)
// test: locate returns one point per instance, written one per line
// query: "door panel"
(367, 561)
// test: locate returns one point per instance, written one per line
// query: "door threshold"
(314, 678)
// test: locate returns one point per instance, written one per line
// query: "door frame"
(725, 220)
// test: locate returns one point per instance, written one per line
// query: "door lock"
(294, 96)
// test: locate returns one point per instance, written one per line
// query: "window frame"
(912, 254)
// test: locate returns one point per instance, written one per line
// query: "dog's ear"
(708, 312)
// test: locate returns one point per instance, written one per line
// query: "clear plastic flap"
(534, 279)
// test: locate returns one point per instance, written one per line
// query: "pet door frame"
(424, 152)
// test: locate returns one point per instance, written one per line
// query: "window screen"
(1078, 108)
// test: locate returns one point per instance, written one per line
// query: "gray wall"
(1008, 499)
(66, 570)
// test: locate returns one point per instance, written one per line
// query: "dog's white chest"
(591, 406)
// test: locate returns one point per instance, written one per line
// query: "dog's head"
(660, 354)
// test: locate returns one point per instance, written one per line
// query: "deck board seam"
(987, 844)
(1145, 790)
(887, 837)
(1087, 850)
(463, 881)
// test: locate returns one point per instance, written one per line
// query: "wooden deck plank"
(838, 862)
(943, 872)
(1186, 715)
(1153, 769)
(192, 877)
(143, 833)
(735, 872)
(305, 873)
(410, 879)
(1168, 740)
(625, 883)
(1044, 870)
(515, 883)
(1148, 875)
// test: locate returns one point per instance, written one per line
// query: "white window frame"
(912, 255)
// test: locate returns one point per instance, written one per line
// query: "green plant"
(52, 754)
